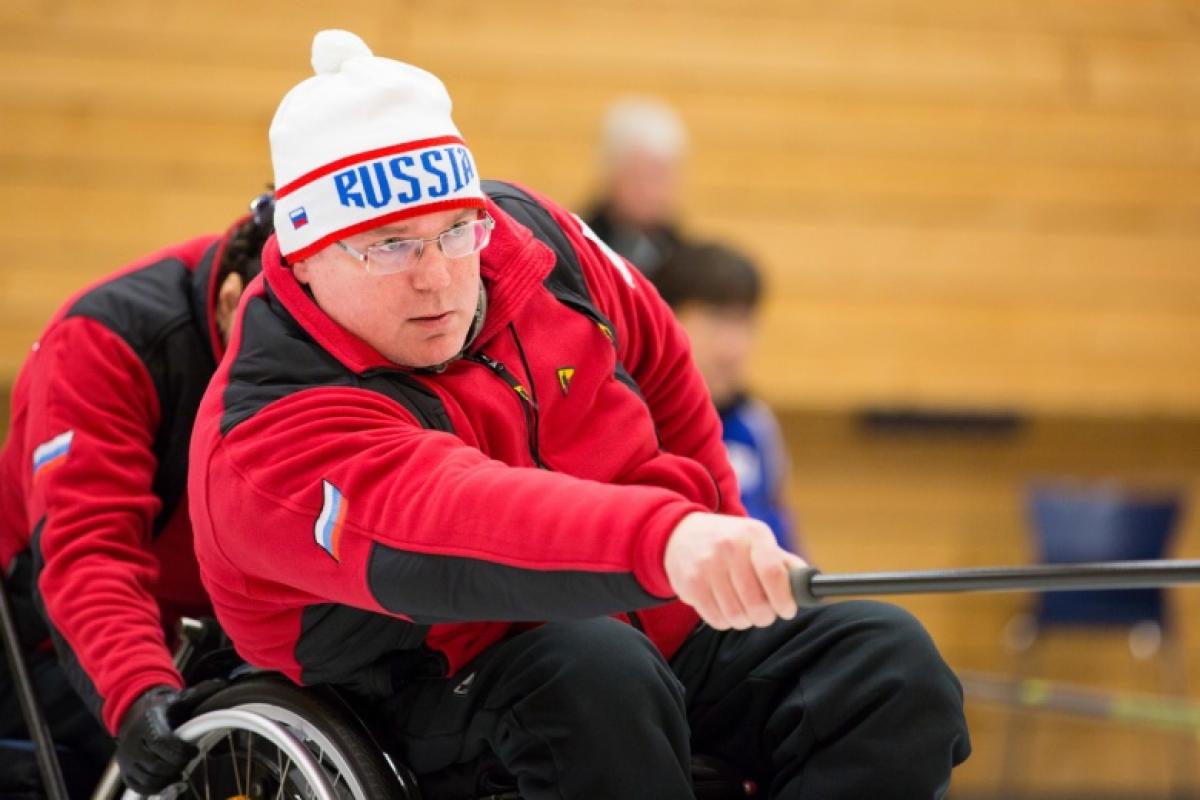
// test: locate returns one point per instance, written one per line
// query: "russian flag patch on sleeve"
(328, 529)
(50, 454)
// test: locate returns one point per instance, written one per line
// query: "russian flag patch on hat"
(299, 217)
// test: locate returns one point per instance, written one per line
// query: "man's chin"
(434, 353)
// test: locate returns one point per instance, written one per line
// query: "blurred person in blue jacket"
(642, 149)
(715, 293)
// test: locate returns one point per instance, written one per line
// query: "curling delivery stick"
(810, 586)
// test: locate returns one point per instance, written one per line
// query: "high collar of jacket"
(204, 289)
(512, 267)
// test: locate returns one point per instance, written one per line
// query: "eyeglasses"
(400, 255)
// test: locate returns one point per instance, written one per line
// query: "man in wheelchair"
(457, 462)
(95, 538)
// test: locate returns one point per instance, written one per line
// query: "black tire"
(331, 717)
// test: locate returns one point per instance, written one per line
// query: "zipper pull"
(487, 361)
(502, 371)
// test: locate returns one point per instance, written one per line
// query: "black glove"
(149, 753)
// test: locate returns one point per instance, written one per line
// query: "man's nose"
(432, 270)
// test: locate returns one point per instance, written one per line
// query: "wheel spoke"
(192, 775)
(283, 779)
(237, 776)
(249, 755)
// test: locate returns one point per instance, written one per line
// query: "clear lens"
(399, 255)
(459, 241)
(463, 240)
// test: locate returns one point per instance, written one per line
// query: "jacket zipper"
(528, 405)
(533, 398)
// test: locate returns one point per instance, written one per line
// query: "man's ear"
(228, 295)
(302, 270)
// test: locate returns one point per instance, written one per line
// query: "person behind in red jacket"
(458, 461)
(94, 529)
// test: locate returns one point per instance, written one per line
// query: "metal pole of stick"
(810, 586)
(39, 731)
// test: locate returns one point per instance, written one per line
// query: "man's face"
(721, 337)
(644, 188)
(416, 318)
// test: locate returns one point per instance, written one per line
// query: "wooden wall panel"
(912, 174)
(971, 168)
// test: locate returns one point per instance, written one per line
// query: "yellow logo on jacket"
(565, 374)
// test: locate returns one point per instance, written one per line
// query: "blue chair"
(1079, 522)
(1074, 523)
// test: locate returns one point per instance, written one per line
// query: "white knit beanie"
(364, 142)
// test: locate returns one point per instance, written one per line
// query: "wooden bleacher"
(985, 204)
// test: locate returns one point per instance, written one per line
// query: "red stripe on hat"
(375, 222)
(369, 155)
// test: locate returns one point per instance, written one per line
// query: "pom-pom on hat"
(364, 142)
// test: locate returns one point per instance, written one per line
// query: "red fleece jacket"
(315, 491)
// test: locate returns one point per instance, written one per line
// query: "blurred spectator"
(715, 293)
(642, 153)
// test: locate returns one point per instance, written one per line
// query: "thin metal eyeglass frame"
(486, 220)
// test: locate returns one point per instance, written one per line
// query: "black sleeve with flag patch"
(416, 585)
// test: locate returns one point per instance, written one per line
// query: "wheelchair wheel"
(329, 755)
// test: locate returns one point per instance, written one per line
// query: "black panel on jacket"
(153, 309)
(565, 281)
(366, 643)
(433, 589)
(278, 359)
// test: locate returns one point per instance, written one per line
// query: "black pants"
(84, 746)
(849, 700)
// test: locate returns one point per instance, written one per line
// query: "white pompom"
(332, 48)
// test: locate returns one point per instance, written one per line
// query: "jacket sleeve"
(91, 430)
(339, 494)
(654, 349)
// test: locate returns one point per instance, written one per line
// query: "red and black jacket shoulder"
(163, 310)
